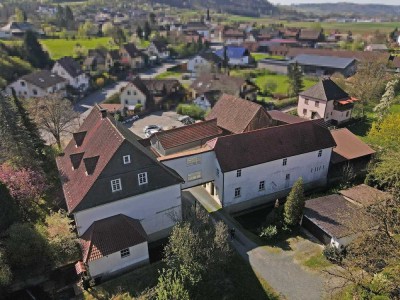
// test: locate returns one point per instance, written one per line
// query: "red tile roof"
(111, 235)
(239, 151)
(235, 114)
(188, 134)
(348, 146)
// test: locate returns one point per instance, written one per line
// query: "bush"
(333, 254)
(138, 107)
(100, 82)
(269, 232)
(191, 110)
(113, 99)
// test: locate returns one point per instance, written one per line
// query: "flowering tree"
(26, 186)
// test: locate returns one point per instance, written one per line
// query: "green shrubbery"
(191, 110)
(114, 99)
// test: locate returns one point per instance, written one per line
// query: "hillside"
(350, 9)
(245, 7)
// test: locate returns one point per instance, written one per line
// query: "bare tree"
(54, 115)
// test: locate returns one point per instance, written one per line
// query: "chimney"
(79, 137)
(76, 159)
(103, 113)
(90, 164)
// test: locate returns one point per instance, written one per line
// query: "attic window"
(90, 164)
(126, 159)
(76, 160)
(239, 173)
(319, 153)
(79, 137)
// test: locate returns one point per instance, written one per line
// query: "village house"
(309, 37)
(377, 48)
(199, 27)
(70, 70)
(95, 61)
(236, 115)
(132, 57)
(150, 93)
(325, 100)
(38, 84)
(18, 29)
(158, 49)
(338, 219)
(112, 59)
(204, 63)
(208, 88)
(237, 55)
(121, 197)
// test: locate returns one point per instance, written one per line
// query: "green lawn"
(282, 82)
(260, 56)
(317, 261)
(58, 48)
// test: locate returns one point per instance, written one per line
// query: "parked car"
(131, 119)
(186, 120)
(150, 132)
(149, 127)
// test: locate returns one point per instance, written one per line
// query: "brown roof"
(359, 55)
(132, 50)
(234, 33)
(365, 195)
(218, 82)
(111, 235)
(251, 46)
(202, 131)
(100, 140)
(43, 79)
(348, 146)
(327, 90)
(243, 150)
(282, 117)
(333, 214)
(111, 107)
(235, 114)
(309, 34)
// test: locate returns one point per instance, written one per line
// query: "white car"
(150, 132)
(150, 127)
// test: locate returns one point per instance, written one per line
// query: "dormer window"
(116, 185)
(142, 178)
(126, 159)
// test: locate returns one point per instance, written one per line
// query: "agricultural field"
(58, 48)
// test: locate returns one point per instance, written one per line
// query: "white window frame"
(142, 178)
(238, 192)
(116, 185)
(125, 253)
(194, 176)
(284, 162)
(193, 160)
(126, 159)
(239, 173)
(261, 185)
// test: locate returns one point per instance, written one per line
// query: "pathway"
(285, 276)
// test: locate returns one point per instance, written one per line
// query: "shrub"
(138, 107)
(113, 99)
(100, 82)
(333, 254)
(269, 232)
(191, 110)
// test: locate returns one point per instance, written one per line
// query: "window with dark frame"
(319, 153)
(239, 173)
(125, 252)
(116, 185)
(237, 192)
(261, 185)
(284, 162)
(126, 159)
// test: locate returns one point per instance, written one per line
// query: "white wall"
(113, 262)
(239, 61)
(308, 166)
(198, 63)
(310, 107)
(77, 82)
(339, 116)
(344, 241)
(153, 209)
(206, 167)
(202, 102)
(131, 96)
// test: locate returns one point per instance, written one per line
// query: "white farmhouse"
(204, 63)
(38, 84)
(70, 70)
(325, 100)
(110, 180)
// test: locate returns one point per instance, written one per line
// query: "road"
(101, 95)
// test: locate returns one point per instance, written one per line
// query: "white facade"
(276, 176)
(152, 50)
(154, 210)
(310, 108)
(195, 169)
(131, 96)
(242, 61)
(79, 82)
(25, 89)
(139, 254)
(198, 64)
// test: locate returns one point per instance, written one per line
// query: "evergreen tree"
(225, 59)
(295, 76)
(294, 205)
(68, 17)
(147, 30)
(139, 32)
(30, 127)
(33, 51)
(200, 44)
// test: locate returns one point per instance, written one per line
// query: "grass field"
(58, 48)
(260, 56)
(281, 81)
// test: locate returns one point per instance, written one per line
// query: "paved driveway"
(165, 119)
